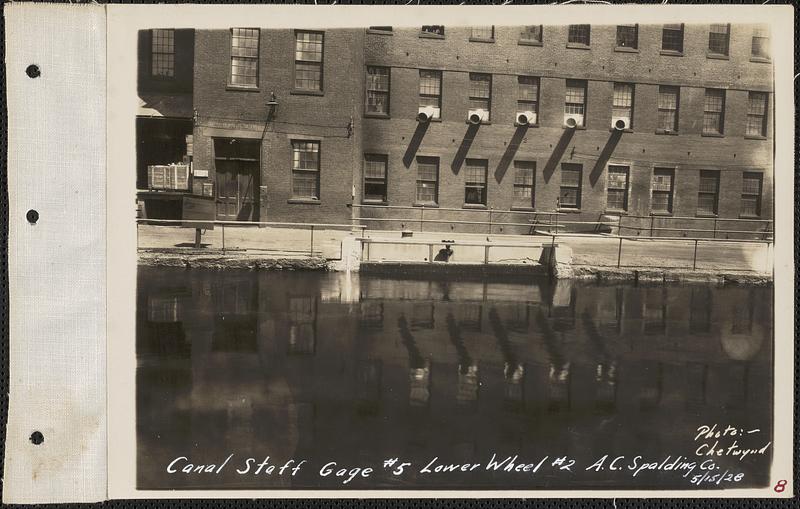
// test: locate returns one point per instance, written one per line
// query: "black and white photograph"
(453, 257)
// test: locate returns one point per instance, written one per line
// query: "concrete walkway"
(599, 251)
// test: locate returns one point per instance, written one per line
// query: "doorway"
(237, 165)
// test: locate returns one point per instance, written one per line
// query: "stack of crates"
(172, 177)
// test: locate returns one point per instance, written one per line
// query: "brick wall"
(227, 112)
(452, 140)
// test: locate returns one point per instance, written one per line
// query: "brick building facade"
(294, 125)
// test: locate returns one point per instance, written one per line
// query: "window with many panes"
(760, 44)
(427, 180)
(708, 192)
(375, 167)
(668, 104)
(528, 95)
(578, 34)
(378, 90)
(480, 92)
(437, 30)
(244, 57)
(475, 181)
(714, 111)
(308, 60)
(302, 318)
(617, 198)
(570, 195)
(663, 179)
(575, 101)
(305, 169)
(628, 36)
(524, 172)
(751, 193)
(622, 103)
(672, 37)
(531, 34)
(430, 91)
(484, 33)
(757, 114)
(163, 53)
(719, 39)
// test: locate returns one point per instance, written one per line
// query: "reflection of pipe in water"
(464, 359)
(515, 378)
(606, 378)
(468, 381)
(501, 335)
(414, 356)
(419, 372)
(550, 342)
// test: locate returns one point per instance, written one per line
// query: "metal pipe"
(619, 253)
(421, 215)
(312, 241)
(652, 220)
(223, 238)
(490, 221)
(694, 261)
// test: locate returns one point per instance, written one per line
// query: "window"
(751, 193)
(524, 172)
(475, 182)
(760, 46)
(480, 92)
(163, 53)
(575, 102)
(378, 90)
(757, 114)
(531, 33)
(662, 190)
(430, 91)
(617, 188)
(375, 177)
(528, 95)
(305, 169)
(244, 57)
(714, 111)
(672, 38)
(570, 196)
(708, 192)
(302, 325)
(578, 34)
(485, 33)
(628, 36)
(437, 30)
(668, 103)
(308, 60)
(622, 103)
(427, 180)
(719, 39)
(381, 29)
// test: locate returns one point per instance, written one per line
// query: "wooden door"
(237, 190)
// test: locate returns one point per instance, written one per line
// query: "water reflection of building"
(262, 357)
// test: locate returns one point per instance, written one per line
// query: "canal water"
(358, 370)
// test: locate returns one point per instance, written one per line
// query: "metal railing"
(367, 242)
(201, 228)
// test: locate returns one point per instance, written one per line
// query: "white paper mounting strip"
(57, 279)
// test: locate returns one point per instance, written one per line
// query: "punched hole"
(33, 71)
(32, 216)
(37, 438)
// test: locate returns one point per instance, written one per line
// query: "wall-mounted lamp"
(272, 106)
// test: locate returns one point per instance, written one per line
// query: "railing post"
(619, 254)
(430, 253)
(652, 220)
(223, 237)
(715, 227)
(486, 254)
(421, 216)
(694, 261)
(312, 241)
(490, 221)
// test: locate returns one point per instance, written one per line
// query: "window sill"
(754, 137)
(304, 201)
(671, 53)
(529, 42)
(625, 49)
(717, 56)
(480, 39)
(569, 210)
(612, 129)
(615, 212)
(426, 205)
(241, 88)
(575, 45)
(306, 92)
(707, 215)
(666, 133)
(474, 206)
(517, 124)
(751, 216)
(426, 35)
(379, 32)
(761, 60)
(376, 115)
(523, 209)
(661, 214)
(577, 127)
(712, 135)
(375, 202)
